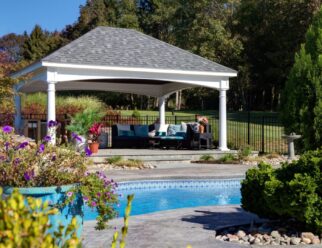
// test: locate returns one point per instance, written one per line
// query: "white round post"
(222, 121)
(51, 110)
(18, 118)
(162, 110)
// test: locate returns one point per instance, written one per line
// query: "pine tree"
(302, 96)
(40, 43)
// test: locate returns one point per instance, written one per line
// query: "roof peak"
(125, 47)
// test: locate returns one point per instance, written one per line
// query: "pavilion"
(128, 61)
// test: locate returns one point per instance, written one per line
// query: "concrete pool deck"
(181, 227)
(179, 170)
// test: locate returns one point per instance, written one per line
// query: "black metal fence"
(261, 132)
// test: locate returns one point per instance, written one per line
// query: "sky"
(17, 16)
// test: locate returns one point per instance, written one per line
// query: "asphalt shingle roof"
(106, 46)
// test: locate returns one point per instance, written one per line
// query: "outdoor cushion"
(195, 126)
(159, 134)
(184, 127)
(152, 134)
(126, 133)
(181, 134)
(173, 129)
(171, 137)
(163, 128)
(141, 130)
(122, 128)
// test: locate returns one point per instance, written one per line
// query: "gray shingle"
(106, 46)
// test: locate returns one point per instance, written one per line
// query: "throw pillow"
(184, 127)
(173, 129)
(126, 133)
(161, 128)
(141, 130)
(121, 127)
(152, 134)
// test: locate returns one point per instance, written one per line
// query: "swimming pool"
(158, 195)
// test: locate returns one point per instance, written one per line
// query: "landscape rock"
(241, 234)
(306, 241)
(295, 241)
(275, 234)
(307, 235)
(257, 241)
(316, 240)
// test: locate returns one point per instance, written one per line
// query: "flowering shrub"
(95, 131)
(26, 164)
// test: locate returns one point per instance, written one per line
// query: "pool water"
(159, 195)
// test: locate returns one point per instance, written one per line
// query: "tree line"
(258, 38)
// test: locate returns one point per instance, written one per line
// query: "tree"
(112, 13)
(271, 31)
(12, 45)
(40, 43)
(302, 96)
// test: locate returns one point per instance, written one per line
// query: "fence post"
(248, 128)
(263, 134)
(175, 119)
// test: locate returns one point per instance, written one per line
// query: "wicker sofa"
(139, 136)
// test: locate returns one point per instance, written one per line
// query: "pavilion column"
(18, 118)
(51, 110)
(162, 110)
(222, 121)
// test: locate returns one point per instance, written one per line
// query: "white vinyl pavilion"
(127, 61)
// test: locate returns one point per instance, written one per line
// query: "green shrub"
(207, 157)
(136, 114)
(114, 159)
(81, 122)
(37, 104)
(244, 152)
(227, 158)
(26, 225)
(292, 191)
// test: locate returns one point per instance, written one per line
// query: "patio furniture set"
(181, 136)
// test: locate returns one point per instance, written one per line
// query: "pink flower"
(69, 194)
(94, 204)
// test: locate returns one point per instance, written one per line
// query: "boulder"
(241, 234)
(307, 235)
(295, 241)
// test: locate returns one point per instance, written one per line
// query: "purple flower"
(85, 198)
(76, 137)
(41, 148)
(87, 173)
(22, 145)
(47, 138)
(69, 194)
(94, 204)
(2, 157)
(88, 152)
(53, 158)
(98, 194)
(52, 123)
(7, 129)
(7, 145)
(16, 161)
(28, 175)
